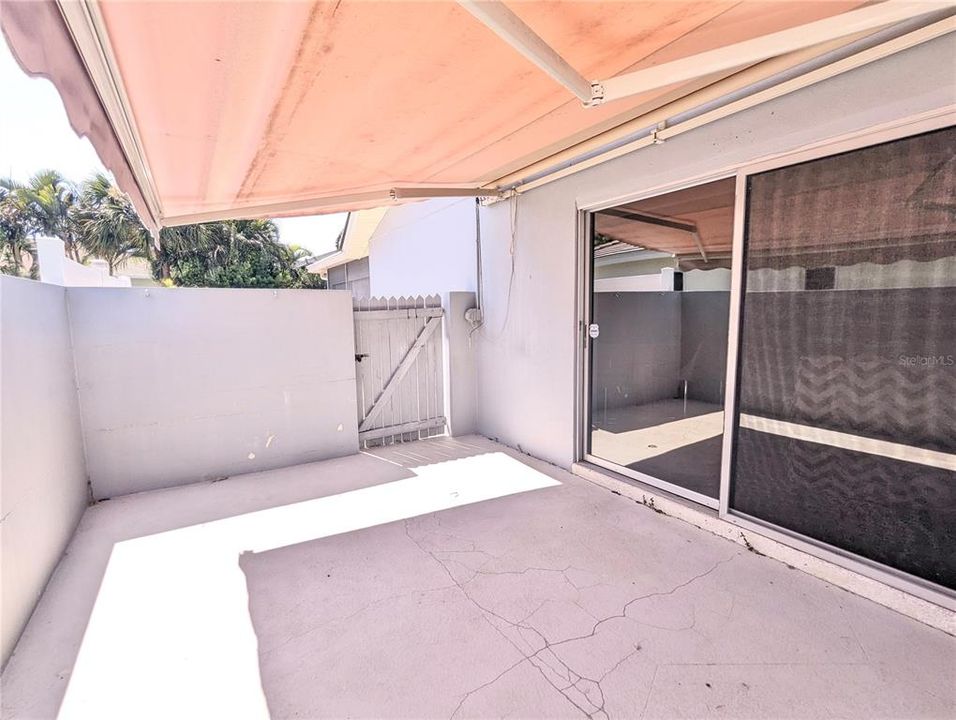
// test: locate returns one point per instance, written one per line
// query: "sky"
(36, 135)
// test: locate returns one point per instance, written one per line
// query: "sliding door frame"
(904, 127)
(585, 276)
(907, 127)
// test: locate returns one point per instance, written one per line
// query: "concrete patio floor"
(448, 579)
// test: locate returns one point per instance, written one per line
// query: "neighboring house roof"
(307, 261)
(359, 227)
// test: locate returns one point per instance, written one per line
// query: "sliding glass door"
(846, 423)
(842, 426)
(659, 318)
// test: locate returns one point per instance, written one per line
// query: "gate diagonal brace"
(403, 367)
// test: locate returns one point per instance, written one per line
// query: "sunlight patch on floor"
(170, 633)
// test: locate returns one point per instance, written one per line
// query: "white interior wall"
(424, 248)
(43, 488)
(181, 385)
(526, 349)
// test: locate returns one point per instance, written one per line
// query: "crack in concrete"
(485, 685)
(650, 689)
(635, 651)
(562, 670)
(530, 658)
(623, 614)
(531, 568)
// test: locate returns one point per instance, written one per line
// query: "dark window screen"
(848, 326)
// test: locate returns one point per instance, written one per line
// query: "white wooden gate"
(398, 368)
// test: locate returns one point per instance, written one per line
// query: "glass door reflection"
(660, 307)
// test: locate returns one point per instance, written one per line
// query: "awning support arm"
(414, 193)
(512, 29)
(700, 247)
(332, 203)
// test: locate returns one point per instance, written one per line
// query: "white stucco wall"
(460, 375)
(526, 349)
(56, 268)
(424, 248)
(43, 489)
(181, 385)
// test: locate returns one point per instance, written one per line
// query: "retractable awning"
(208, 110)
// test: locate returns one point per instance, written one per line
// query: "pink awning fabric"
(706, 209)
(42, 45)
(324, 106)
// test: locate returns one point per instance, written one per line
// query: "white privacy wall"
(56, 268)
(526, 348)
(181, 385)
(43, 489)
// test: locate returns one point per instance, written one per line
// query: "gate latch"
(360, 356)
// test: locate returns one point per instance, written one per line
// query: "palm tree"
(176, 243)
(108, 224)
(100, 219)
(51, 199)
(245, 253)
(15, 230)
(230, 236)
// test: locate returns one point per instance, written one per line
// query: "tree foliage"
(108, 224)
(96, 219)
(233, 253)
(17, 251)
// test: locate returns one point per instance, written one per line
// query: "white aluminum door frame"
(583, 377)
(886, 132)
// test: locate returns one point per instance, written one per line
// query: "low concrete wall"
(653, 342)
(705, 321)
(43, 488)
(637, 357)
(181, 385)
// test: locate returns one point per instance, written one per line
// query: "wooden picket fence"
(399, 368)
